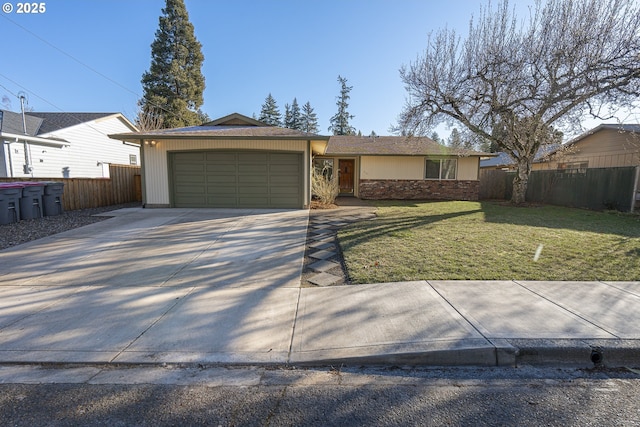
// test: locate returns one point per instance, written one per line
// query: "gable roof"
(52, 122)
(632, 128)
(233, 126)
(235, 119)
(393, 146)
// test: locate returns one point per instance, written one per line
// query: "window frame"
(327, 168)
(441, 168)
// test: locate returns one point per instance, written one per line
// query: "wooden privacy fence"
(123, 186)
(597, 188)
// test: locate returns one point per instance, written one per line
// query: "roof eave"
(136, 138)
(50, 142)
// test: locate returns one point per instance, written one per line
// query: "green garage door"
(236, 179)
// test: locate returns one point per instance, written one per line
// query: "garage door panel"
(283, 190)
(222, 157)
(283, 180)
(222, 202)
(220, 169)
(256, 157)
(221, 179)
(237, 179)
(251, 179)
(258, 191)
(284, 169)
(253, 169)
(190, 156)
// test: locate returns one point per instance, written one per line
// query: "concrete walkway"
(223, 286)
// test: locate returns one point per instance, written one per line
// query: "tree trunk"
(521, 181)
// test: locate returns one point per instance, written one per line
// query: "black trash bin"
(31, 201)
(10, 195)
(52, 198)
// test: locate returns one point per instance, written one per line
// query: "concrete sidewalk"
(470, 323)
(215, 286)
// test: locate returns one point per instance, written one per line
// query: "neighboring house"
(400, 167)
(63, 145)
(236, 161)
(502, 161)
(606, 146)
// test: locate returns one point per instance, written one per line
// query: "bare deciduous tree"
(149, 118)
(567, 60)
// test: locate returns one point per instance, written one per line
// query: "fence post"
(635, 189)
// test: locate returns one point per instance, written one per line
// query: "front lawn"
(490, 241)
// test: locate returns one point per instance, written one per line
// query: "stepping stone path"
(323, 263)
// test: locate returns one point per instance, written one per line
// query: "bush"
(324, 187)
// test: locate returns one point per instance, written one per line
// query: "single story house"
(502, 160)
(236, 161)
(401, 167)
(63, 145)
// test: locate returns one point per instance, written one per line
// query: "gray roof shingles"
(43, 123)
(12, 123)
(56, 121)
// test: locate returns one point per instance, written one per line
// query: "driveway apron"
(156, 285)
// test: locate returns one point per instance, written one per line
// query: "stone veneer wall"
(405, 189)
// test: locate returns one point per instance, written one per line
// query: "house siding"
(606, 148)
(156, 179)
(411, 167)
(88, 145)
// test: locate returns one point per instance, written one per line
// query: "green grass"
(490, 241)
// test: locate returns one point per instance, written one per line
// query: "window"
(441, 168)
(324, 167)
(573, 168)
(133, 159)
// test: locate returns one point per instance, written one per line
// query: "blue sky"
(89, 56)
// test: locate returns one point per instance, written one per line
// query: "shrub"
(324, 187)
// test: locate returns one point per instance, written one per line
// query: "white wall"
(88, 145)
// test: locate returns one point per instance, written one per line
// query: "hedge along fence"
(597, 189)
(123, 186)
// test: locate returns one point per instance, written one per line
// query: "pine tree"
(270, 113)
(174, 84)
(296, 118)
(287, 116)
(308, 119)
(340, 121)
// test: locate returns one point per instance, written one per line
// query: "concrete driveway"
(155, 285)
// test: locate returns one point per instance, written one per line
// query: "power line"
(160, 107)
(78, 119)
(69, 55)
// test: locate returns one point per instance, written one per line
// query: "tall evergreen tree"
(287, 116)
(295, 120)
(270, 113)
(340, 121)
(308, 119)
(174, 85)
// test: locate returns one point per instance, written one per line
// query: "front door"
(345, 176)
